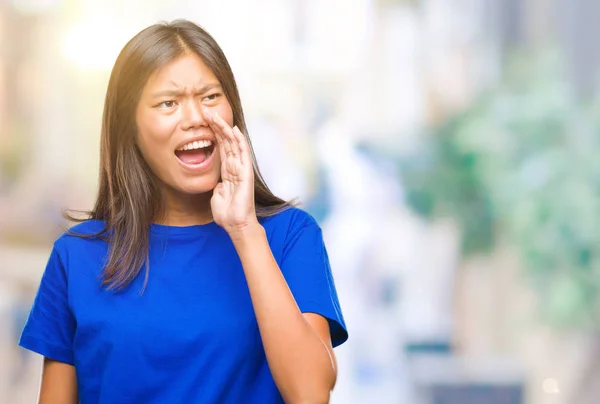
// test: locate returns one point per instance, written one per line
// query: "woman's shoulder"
(91, 229)
(291, 219)
(86, 228)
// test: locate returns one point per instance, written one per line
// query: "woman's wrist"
(242, 235)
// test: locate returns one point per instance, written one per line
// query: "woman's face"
(173, 134)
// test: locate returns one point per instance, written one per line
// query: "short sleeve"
(50, 327)
(305, 266)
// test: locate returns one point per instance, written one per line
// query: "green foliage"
(523, 162)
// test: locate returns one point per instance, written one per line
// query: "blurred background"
(447, 148)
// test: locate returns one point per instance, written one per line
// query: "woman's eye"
(212, 97)
(167, 104)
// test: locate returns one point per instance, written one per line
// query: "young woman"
(190, 282)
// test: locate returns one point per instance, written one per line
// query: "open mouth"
(196, 152)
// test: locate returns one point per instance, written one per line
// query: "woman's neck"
(186, 210)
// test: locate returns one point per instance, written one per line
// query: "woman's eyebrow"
(177, 92)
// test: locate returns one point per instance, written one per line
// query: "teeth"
(198, 144)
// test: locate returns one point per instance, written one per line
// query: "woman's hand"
(232, 202)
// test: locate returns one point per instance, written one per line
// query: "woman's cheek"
(224, 111)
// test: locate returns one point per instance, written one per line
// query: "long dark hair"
(128, 197)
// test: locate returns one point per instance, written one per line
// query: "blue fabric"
(192, 336)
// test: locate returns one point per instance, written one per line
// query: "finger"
(224, 146)
(227, 134)
(224, 143)
(243, 146)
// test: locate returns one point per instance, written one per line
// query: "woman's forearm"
(298, 358)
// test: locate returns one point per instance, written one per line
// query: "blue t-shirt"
(192, 336)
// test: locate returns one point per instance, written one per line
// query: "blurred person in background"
(189, 281)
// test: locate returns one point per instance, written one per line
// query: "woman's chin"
(198, 187)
